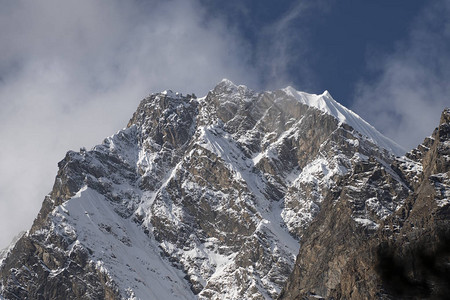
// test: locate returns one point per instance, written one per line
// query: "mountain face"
(209, 198)
(404, 253)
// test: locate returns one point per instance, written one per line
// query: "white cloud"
(405, 102)
(283, 48)
(73, 72)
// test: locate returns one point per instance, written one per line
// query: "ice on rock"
(327, 104)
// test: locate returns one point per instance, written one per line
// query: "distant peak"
(326, 93)
(227, 86)
(325, 103)
(226, 81)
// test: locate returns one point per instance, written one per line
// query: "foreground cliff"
(208, 198)
(402, 254)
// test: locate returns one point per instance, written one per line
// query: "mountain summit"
(209, 198)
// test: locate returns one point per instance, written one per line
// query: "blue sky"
(335, 40)
(73, 72)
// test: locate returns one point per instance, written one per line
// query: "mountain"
(355, 249)
(209, 198)
(4, 252)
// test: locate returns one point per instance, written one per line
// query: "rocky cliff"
(399, 253)
(208, 198)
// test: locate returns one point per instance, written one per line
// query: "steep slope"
(4, 252)
(355, 250)
(198, 198)
(327, 104)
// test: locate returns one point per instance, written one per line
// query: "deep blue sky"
(341, 36)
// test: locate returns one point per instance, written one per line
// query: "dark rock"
(403, 255)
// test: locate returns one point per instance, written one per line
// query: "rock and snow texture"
(384, 232)
(198, 198)
(4, 252)
(327, 104)
(120, 249)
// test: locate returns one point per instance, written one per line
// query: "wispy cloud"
(283, 49)
(72, 72)
(413, 86)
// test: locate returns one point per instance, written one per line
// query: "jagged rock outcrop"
(207, 198)
(384, 232)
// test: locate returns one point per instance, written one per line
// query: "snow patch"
(117, 242)
(366, 223)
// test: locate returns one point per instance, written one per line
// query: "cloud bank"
(73, 72)
(413, 86)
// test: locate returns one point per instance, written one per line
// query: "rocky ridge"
(402, 254)
(206, 198)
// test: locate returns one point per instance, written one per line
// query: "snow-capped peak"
(230, 86)
(328, 105)
(226, 81)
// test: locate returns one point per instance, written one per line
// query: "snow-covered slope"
(120, 249)
(327, 104)
(384, 232)
(201, 198)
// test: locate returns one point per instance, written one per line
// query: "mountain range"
(241, 195)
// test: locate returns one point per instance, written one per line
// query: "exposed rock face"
(385, 231)
(207, 198)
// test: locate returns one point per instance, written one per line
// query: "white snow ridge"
(327, 104)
